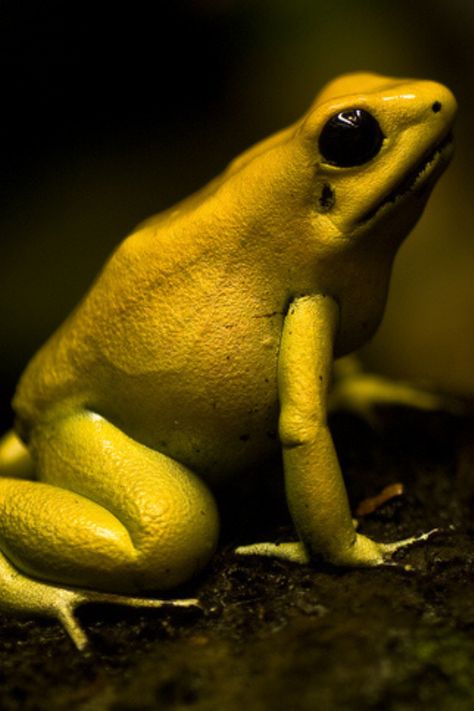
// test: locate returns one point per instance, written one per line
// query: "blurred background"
(110, 114)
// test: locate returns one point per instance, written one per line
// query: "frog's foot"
(293, 552)
(364, 553)
(22, 594)
(362, 393)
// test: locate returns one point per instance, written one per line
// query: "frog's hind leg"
(107, 513)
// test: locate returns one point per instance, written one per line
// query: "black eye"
(351, 137)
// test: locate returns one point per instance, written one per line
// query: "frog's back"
(110, 329)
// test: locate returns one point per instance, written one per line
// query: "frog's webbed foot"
(20, 593)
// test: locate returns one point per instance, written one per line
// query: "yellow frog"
(206, 343)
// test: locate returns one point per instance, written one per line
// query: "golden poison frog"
(206, 343)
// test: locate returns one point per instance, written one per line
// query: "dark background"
(110, 114)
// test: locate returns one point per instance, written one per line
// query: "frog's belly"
(215, 410)
(212, 434)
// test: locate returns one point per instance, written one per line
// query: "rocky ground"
(273, 635)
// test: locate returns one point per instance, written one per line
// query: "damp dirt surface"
(272, 635)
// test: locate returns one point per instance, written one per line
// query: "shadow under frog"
(214, 325)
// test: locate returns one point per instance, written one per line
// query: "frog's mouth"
(418, 177)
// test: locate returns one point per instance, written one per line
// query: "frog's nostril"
(436, 107)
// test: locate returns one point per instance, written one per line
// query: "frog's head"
(379, 145)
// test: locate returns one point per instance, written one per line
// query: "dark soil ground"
(273, 635)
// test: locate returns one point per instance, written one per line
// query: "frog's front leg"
(107, 514)
(315, 489)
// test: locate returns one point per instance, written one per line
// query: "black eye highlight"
(351, 137)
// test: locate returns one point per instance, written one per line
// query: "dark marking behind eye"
(327, 198)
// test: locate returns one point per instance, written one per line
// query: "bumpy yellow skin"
(206, 343)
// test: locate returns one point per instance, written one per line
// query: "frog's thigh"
(107, 512)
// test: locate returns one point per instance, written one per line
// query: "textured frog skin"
(207, 343)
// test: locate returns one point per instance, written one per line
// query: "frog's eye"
(350, 137)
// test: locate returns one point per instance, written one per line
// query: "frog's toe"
(388, 549)
(293, 552)
(65, 614)
(64, 609)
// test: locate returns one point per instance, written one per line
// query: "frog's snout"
(442, 102)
